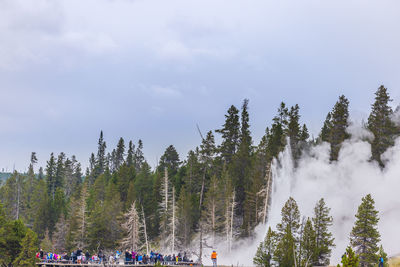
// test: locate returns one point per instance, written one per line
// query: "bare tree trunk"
(145, 232)
(231, 225)
(166, 188)
(201, 245)
(173, 219)
(18, 196)
(268, 178)
(202, 187)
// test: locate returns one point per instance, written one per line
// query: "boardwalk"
(52, 264)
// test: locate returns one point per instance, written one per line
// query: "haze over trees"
(217, 191)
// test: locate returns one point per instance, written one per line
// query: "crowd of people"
(129, 257)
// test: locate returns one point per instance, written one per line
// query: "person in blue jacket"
(381, 262)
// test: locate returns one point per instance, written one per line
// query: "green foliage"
(364, 237)
(308, 244)
(339, 123)
(265, 250)
(17, 243)
(382, 254)
(324, 240)
(287, 232)
(230, 132)
(29, 247)
(350, 259)
(284, 253)
(290, 218)
(381, 125)
(170, 160)
(220, 188)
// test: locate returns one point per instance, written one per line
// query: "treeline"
(218, 192)
(309, 242)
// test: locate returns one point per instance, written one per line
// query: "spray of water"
(342, 184)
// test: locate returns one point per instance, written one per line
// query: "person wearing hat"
(214, 258)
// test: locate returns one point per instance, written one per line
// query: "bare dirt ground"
(394, 262)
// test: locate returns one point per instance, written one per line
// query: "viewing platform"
(53, 264)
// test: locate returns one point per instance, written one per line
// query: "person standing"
(214, 258)
(381, 262)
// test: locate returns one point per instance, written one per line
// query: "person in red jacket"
(214, 258)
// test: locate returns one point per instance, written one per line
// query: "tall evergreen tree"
(290, 217)
(339, 121)
(169, 159)
(230, 132)
(287, 232)
(29, 247)
(308, 245)
(276, 136)
(51, 176)
(119, 154)
(284, 253)
(265, 250)
(325, 133)
(294, 132)
(242, 164)
(364, 237)
(130, 154)
(381, 125)
(139, 156)
(323, 239)
(99, 165)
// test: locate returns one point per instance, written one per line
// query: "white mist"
(342, 184)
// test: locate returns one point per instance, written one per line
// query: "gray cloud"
(153, 69)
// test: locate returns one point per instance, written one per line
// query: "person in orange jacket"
(214, 258)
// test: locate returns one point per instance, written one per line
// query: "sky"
(152, 70)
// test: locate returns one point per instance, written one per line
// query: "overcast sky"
(154, 69)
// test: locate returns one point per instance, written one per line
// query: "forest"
(215, 193)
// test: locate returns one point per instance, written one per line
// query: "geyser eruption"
(341, 183)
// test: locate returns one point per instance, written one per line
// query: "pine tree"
(242, 167)
(350, 259)
(130, 154)
(99, 164)
(184, 219)
(290, 218)
(284, 253)
(308, 244)
(324, 240)
(169, 159)
(339, 121)
(132, 226)
(139, 156)
(294, 132)
(381, 125)
(382, 254)
(51, 176)
(119, 154)
(325, 133)
(364, 237)
(230, 132)
(29, 247)
(276, 138)
(265, 250)
(60, 172)
(287, 233)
